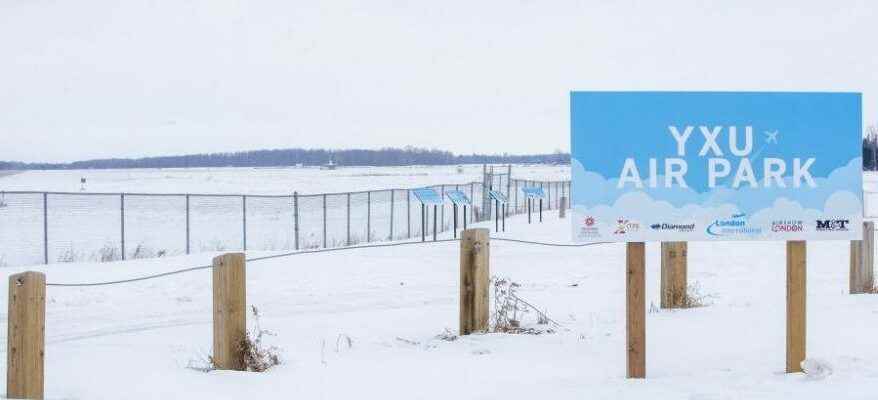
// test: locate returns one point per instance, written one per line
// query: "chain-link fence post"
(391, 213)
(296, 220)
(46, 227)
(122, 222)
(349, 220)
(324, 220)
(368, 216)
(472, 197)
(442, 196)
(508, 189)
(244, 220)
(187, 224)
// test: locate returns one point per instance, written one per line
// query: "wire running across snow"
(326, 250)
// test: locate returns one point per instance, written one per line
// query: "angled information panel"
(499, 196)
(427, 196)
(459, 197)
(534, 192)
(678, 166)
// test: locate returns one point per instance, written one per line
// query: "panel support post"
(541, 209)
(475, 276)
(464, 217)
(635, 322)
(496, 216)
(562, 209)
(229, 311)
(862, 261)
(26, 335)
(796, 271)
(674, 266)
(423, 223)
(455, 220)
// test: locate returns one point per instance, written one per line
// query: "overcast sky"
(95, 79)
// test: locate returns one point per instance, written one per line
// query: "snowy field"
(264, 181)
(135, 340)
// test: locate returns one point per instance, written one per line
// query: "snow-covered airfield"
(265, 181)
(136, 340)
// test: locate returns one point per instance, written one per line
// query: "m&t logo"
(825, 225)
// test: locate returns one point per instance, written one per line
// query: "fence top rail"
(540, 181)
(135, 194)
(83, 193)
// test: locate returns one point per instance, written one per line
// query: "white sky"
(95, 79)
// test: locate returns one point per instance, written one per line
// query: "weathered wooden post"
(475, 279)
(25, 339)
(796, 272)
(674, 266)
(635, 321)
(562, 210)
(229, 311)
(862, 261)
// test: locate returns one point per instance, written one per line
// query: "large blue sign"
(459, 197)
(498, 196)
(534, 192)
(427, 196)
(662, 166)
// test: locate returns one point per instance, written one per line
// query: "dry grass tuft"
(691, 298)
(257, 356)
(509, 309)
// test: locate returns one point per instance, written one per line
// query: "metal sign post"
(500, 199)
(534, 193)
(458, 198)
(427, 197)
(434, 221)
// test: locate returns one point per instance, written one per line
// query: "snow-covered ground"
(264, 181)
(135, 340)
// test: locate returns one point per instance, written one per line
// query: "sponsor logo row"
(736, 225)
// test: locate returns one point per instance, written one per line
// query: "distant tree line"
(306, 157)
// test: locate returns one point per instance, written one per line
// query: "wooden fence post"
(635, 322)
(475, 273)
(796, 272)
(862, 261)
(229, 311)
(25, 346)
(674, 266)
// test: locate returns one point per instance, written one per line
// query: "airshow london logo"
(673, 227)
(624, 226)
(787, 226)
(737, 225)
(832, 225)
(589, 228)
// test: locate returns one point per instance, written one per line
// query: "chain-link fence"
(48, 227)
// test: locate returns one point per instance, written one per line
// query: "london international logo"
(736, 225)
